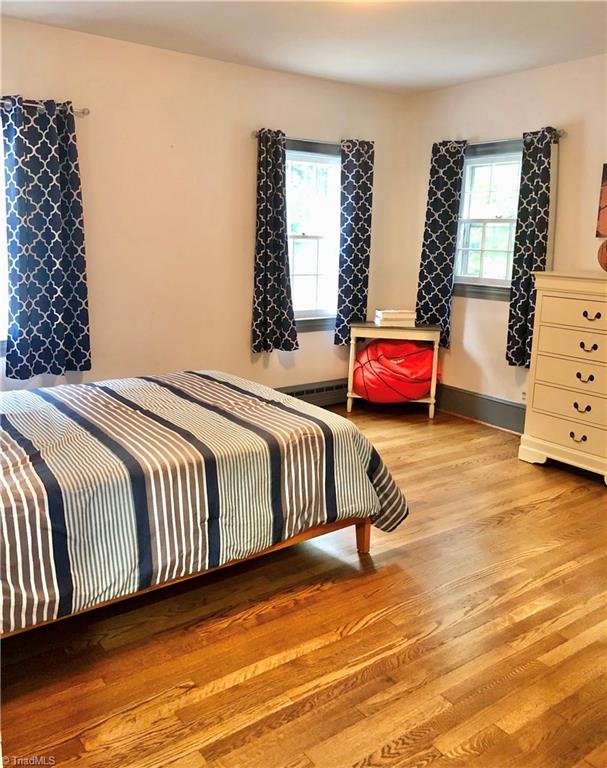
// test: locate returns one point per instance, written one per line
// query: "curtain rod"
(254, 135)
(81, 112)
(560, 133)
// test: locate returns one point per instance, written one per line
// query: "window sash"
(463, 251)
(317, 274)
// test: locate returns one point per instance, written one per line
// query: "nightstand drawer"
(582, 344)
(581, 313)
(575, 405)
(570, 434)
(582, 376)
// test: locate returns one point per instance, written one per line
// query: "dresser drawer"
(575, 405)
(582, 344)
(583, 376)
(581, 313)
(570, 434)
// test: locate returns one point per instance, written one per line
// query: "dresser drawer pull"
(586, 409)
(593, 348)
(597, 316)
(578, 375)
(575, 439)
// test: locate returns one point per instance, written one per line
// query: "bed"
(115, 488)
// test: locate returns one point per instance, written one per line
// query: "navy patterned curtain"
(355, 235)
(273, 317)
(435, 286)
(530, 242)
(48, 320)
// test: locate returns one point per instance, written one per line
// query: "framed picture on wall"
(601, 224)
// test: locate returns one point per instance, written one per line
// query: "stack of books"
(395, 317)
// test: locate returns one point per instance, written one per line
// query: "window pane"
(478, 191)
(312, 196)
(327, 293)
(304, 257)
(476, 236)
(328, 273)
(505, 188)
(480, 180)
(304, 292)
(470, 263)
(495, 265)
(507, 175)
(296, 207)
(492, 190)
(480, 207)
(322, 180)
(497, 237)
(471, 235)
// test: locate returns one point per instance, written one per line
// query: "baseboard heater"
(320, 393)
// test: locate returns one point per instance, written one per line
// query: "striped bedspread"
(109, 488)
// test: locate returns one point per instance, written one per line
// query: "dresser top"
(580, 283)
(586, 275)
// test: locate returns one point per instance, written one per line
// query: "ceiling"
(398, 46)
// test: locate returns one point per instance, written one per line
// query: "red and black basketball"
(394, 371)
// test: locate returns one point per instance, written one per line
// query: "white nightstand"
(403, 333)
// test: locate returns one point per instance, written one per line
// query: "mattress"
(113, 487)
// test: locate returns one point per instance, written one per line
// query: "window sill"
(309, 324)
(477, 291)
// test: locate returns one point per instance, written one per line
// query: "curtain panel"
(435, 285)
(273, 324)
(48, 319)
(530, 241)
(357, 159)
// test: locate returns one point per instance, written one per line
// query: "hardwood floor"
(475, 635)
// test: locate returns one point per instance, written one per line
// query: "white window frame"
(499, 152)
(311, 319)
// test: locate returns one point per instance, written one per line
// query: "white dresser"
(566, 415)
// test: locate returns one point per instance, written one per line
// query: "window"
(487, 219)
(313, 217)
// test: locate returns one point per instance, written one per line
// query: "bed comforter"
(109, 488)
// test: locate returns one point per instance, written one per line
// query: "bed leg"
(363, 536)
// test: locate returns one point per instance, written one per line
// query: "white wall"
(571, 96)
(168, 170)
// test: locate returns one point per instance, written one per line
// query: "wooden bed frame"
(363, 542)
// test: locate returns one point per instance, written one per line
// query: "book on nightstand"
(394, 317)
